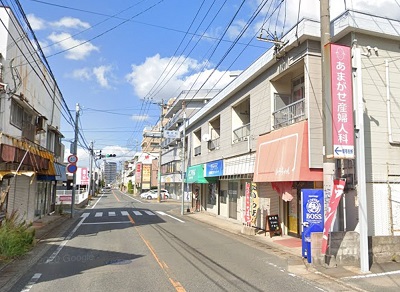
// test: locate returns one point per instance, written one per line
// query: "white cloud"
(36, 22)
(100, 74)
(144, 76)
(97, 73)
(77, 49)
(70, 22)
(140, 118)
(83, 73)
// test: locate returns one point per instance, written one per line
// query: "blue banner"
(313, 217)
(215, 168)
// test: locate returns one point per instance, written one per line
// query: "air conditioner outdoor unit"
(40, 121)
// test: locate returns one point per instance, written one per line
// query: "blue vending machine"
(312, 201)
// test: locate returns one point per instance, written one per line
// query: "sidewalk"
(382, 275)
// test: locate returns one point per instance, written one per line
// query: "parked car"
(153, 194)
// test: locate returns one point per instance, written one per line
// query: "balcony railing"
(213, 144)
(241, 134)
(197, 150)
(289, 114)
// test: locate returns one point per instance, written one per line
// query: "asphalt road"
(125, 244)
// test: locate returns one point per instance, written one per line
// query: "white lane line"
(150, 213)
(97, 201)
(372, 275)
(84, 215)
(100, 223)
(98, 214)
(137, 213)
(32, 282)
(165, 214)
(64, 242)
(111, 213)
(124, 213)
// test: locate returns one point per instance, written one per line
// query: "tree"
(130, 187)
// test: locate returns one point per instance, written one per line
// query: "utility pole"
(90, 193)
(183, 167)
(160, 151)
(360, 162)
(75, 150)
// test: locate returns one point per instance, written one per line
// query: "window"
(17, 113)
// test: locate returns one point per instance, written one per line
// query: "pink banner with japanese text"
(337, 192)
(247, 217)
(342, 102)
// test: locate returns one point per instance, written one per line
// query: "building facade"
(263, 133)
(30, 114)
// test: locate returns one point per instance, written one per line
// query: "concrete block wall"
(345, 249)
(385, 248)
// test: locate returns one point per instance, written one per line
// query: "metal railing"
(197, 150)
(289, 114)
(241, 134)
(213, 144)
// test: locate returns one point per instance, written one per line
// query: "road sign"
(71, 168)
(72, 159)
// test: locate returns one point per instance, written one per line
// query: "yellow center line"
(116, 197)
(131, 219)
(178, 286)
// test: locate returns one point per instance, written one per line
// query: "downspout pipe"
(388, 108)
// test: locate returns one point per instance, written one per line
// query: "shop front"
(282, 164)
(213, 170)
(199, 187)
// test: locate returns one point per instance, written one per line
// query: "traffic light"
(111, 155)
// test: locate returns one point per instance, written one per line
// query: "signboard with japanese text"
(138, 173)
(255, 202)
(214, 168)
(82, 177)
(342, 102)
(146, 173)
(247, 217)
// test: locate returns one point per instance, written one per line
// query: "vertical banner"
(82, 177)
(338, 187)
(254, 203)
(312, 201)
(138, 173)
(247, 217)
(342, 102)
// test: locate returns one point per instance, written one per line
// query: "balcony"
(241, 134)
(213, 144)
(197, 150)
(289, 114)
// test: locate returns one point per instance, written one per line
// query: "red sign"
(84, 176)
(338, 187)
(247, 217)
(342, 102)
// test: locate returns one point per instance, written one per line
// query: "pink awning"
(282, 155)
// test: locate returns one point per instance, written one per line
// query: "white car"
(153, 194)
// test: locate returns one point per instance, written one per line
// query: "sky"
(120, 59)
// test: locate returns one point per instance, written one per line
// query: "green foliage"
(16, 237)
(130, 187)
